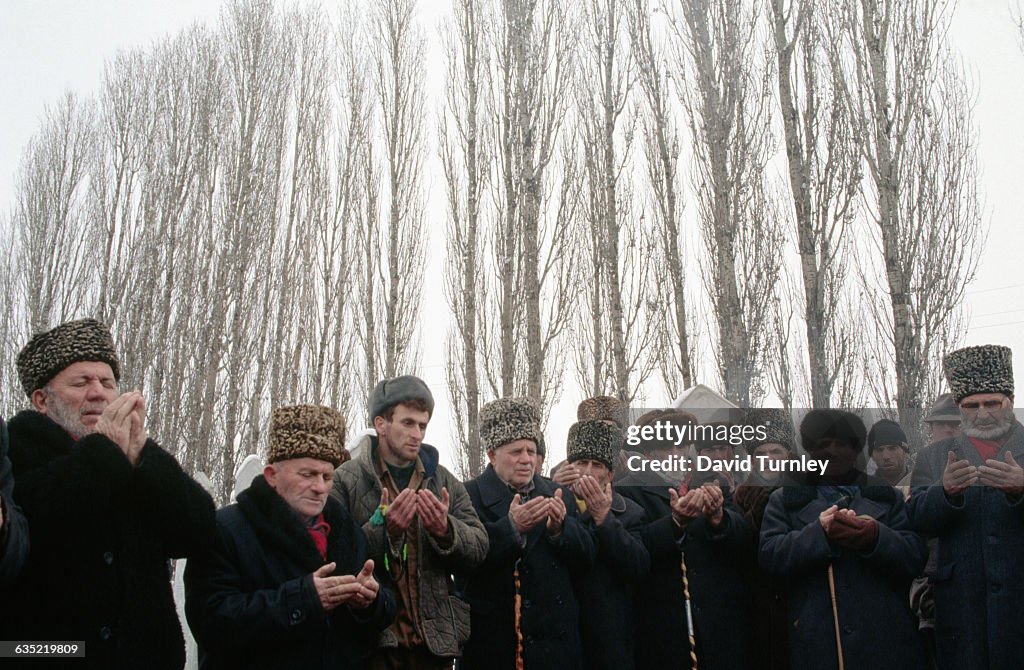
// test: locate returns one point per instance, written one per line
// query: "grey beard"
(67, 419)
(1000, 430)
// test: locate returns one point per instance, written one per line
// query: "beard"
(68, 418)
(1003, 425)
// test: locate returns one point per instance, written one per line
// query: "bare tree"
(727, 99)
(465, 155)
(533, 243)
(621, 278)
(662, 149)
(915, 107)
(823, 154)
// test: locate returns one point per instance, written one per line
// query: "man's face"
(76, 396)
(595, 469)
(772, 450)
(841, 456)
(718, 452)
(303, 483)
(941, 430)
(515, 462)
(401, 437)
(891, 459)
(987, 416)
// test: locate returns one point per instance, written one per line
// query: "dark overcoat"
(102, 535)
(605, 589)
(877, 627)
(14, 533)
(720, 601)
(251, 602)
(978, 581)
(550, 614)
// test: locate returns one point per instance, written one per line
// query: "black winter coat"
(720, 601)
(877, 628)
(251, 601)
(550, 615)
(979, 576)
(605, 589)
(14, 534)
(103, 534)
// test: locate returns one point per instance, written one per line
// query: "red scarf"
(319, 530)
(987, 448)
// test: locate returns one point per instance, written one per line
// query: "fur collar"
(278, 526)
(35, 439)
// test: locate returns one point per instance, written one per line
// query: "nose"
(95, 391)
(320, 486)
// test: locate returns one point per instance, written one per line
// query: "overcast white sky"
(49, 46)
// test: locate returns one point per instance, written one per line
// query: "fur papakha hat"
(594, 440)
(832, 423)
(602, 408)
(390, 392)
(46, 354)
(984, 369)
(778, 427)
(507, 420)
(307, 431)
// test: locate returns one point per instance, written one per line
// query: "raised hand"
(401, 512)
(527, 515)
(958, 475)
(555, 513)
(567, 475)
(714, 503)
(116, 423)
(369, 587)
(598, 498)
(686, 506)
(1006, 475)
(434, 512)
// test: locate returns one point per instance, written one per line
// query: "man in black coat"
(605, 589)
(288, 583)
(698, 527)
(521, 600)
(107, 508)
(13, 529)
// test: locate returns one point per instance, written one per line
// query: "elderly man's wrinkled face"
(515, 462)
(941, 430)
(595, 469)
(987, 416)
(303, 483)
(76, 396)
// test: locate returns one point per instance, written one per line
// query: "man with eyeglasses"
(969, 494)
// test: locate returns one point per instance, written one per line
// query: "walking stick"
(518, 616)
(835, 612)
(689, 614)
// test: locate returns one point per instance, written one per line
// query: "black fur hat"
(594, 440)
(46, 354)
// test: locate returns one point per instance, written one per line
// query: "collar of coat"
(281, 530)
(35, 439)
(871, 487)
(496, 494)
(428, 457)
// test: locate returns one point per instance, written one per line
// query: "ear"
(270, 474)
(39, 398)
(378, 424)
(490, 456)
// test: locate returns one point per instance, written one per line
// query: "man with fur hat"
(420, 524)
(13, 529)
(888, 448)
(107, 507)
(605, 589)
(604, 408)
(969, 494)
(696, 536)
(523, 607)
(288, 583)
(843, 544)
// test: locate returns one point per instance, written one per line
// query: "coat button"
(296, 615)
(108, 557)
(529, 639)
(106, 633)
(848, 630)
(558, 599)
(526, 603)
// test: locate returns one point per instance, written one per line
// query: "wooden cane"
(689, 614)
(835, 613)
(518, 617)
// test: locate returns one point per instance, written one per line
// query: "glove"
(855, 533)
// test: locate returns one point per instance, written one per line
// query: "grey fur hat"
(391, 392)
(46, 354)
(778, 427)
(594, 440)
(984, 369)
(507, 420)
(602, 408)
(307, 431)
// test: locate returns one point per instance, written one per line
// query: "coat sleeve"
(621, 545)
(14, 532)
(345, 489)
(898, 550)
(930, 511)
(469, 543)
(220, 608)
(180, 509)
(786, 551)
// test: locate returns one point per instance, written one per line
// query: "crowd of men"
(378, 557)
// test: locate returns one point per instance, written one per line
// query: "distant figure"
(888, 448)
(107, 508)
(943, 419)
(288, 583)
(969, 494)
